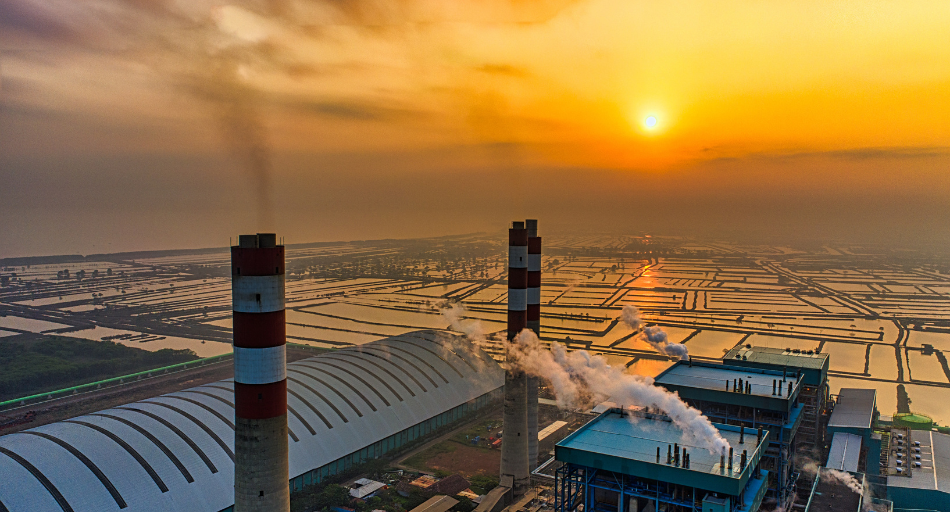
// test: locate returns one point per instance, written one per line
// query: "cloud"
(890, 153)
(36, 20)
(350, 110)
(503, 69)
(858, 154)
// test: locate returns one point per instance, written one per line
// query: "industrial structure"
(631, 461)
(831, 492)
(851, 430)
(249, 442)
(814, 394)
(918, 470)
(533, 323)
(176, 452)
(515, 467)
(261, 457)
(751, 397)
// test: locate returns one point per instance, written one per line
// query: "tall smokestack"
(261, 468)
(514, 444)
(534, 323)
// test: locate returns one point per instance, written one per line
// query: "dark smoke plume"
(237, 111)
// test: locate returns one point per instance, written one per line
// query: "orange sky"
(116, 109)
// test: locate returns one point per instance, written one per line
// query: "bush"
(464, 505)
(333, 495)
(481, 484)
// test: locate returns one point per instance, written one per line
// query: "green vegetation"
(418, 460)
(322, 498)
(33, 364)
(481, 484)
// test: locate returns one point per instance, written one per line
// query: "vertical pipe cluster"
(533, 323)
(514, 444)
(261, 464)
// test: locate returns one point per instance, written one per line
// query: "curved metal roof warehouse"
(175, 451)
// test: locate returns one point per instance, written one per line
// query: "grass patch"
(418, 460)
(483, 429)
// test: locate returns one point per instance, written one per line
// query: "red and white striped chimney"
(261, 467)
(515, 470)
(533, 323)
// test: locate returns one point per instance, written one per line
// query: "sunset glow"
(339, 91)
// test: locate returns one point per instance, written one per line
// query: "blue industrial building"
(632, 461)
(918, 470)
(751, 397)
(815, 391)
(851, 429)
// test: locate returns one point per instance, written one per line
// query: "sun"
(650, 122)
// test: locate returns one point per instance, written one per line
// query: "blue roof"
(714, 383)
(627, 443)
(814, 366)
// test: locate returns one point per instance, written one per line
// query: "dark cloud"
(890, 153)
(372, 13)
(503, 69)
(301, 70)
(37, 20)
(854, 155)
(14, 86)
(351, 110)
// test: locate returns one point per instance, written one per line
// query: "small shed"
(365, 488)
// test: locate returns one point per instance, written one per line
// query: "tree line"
(53, 362)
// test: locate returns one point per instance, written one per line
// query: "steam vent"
(261, 467)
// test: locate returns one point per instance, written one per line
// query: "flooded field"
(884, 320)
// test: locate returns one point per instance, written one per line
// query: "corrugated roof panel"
(845, 452)
(21, 490)
(156, 457)
(854, 408)
(78, 485)
(182, 451)
(213, 436)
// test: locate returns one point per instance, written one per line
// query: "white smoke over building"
(581, 380)
(832, 475)
(654, 335)
(454, 313)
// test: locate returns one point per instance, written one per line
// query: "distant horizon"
(723, 238)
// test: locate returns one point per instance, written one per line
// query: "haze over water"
(881, 315)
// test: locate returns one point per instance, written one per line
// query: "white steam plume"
(843, 477)
(578, 376)
(831, 475)
(454, 313)
(580, 379)
(655, 336)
